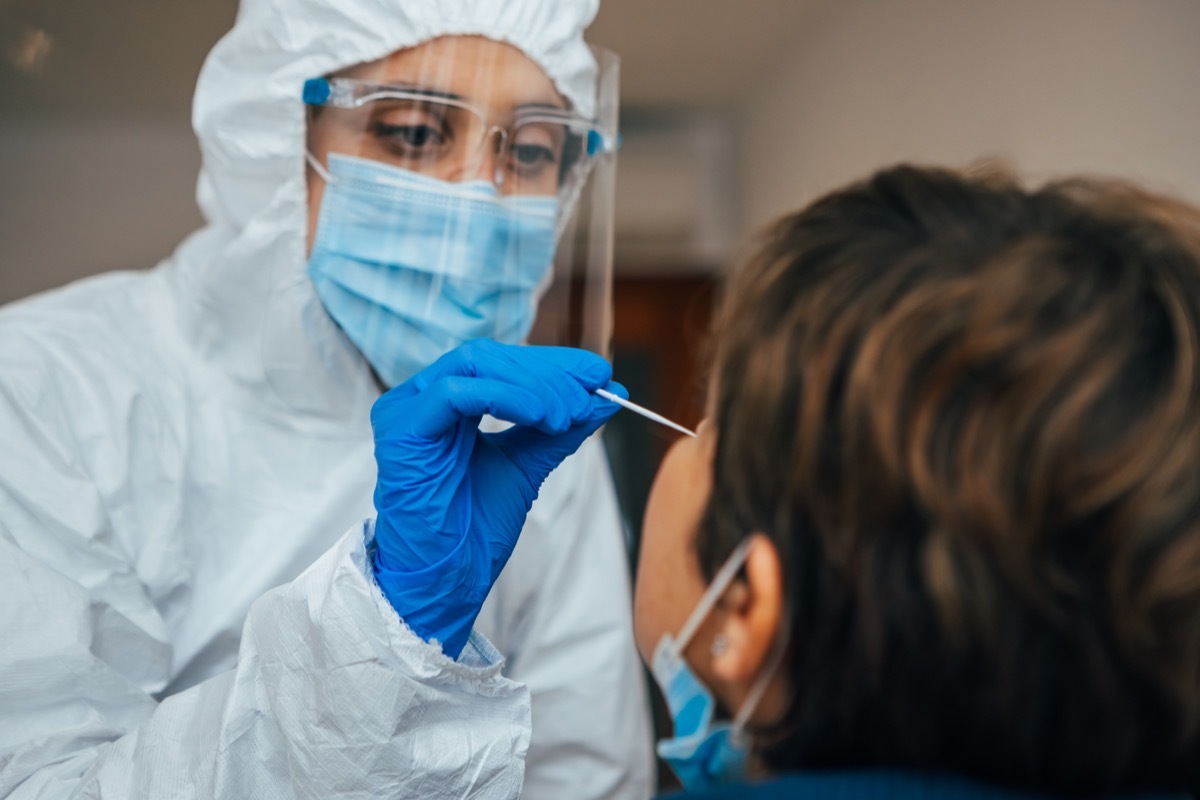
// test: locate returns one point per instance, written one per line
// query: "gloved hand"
(451, 500)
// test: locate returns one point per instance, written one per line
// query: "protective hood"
(241, 294)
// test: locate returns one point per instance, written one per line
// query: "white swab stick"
(645, 412)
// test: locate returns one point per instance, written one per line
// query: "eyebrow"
(413, 88)
(423, 91)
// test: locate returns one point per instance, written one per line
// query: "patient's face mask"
(461, 196)
(702, 751)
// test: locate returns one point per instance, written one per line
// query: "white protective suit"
(181, 454)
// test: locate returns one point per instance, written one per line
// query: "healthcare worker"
(193, 604)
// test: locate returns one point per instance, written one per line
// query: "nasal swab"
(645, 412)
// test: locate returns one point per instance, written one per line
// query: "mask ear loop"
(774, 659)
(720, 583)
(318, 167)
(759, 688)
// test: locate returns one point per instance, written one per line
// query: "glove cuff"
(439, 602)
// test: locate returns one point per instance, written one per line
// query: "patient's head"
(963, 419)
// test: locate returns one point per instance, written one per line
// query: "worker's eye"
(536, 149)
(417, 133)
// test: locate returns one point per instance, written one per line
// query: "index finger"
(484, 358)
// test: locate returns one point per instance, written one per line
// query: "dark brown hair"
(967, 415)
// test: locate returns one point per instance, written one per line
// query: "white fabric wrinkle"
(79, 527)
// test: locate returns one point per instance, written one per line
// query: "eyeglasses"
(536, 151)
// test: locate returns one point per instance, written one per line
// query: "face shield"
(462, 196)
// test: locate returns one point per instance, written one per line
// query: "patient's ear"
(751, 614)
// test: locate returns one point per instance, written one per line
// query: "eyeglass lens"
(452, 142)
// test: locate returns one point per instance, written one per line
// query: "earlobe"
(753, 613)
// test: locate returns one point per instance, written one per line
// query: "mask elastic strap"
(317, 167)
(760, 687)
(720, 583)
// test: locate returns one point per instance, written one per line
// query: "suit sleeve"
(332, 696)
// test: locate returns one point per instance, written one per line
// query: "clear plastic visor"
(461, 195)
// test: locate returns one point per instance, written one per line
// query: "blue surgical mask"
(411, 266)
(702, 752)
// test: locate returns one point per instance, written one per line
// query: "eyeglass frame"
(348, 93)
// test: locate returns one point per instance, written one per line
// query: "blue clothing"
(874, 785)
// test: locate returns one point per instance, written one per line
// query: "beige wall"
(1053, 86)
(1106, 86)
(86, 197)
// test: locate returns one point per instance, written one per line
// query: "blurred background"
(734, 111)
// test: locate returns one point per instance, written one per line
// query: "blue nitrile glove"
(451, 500)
